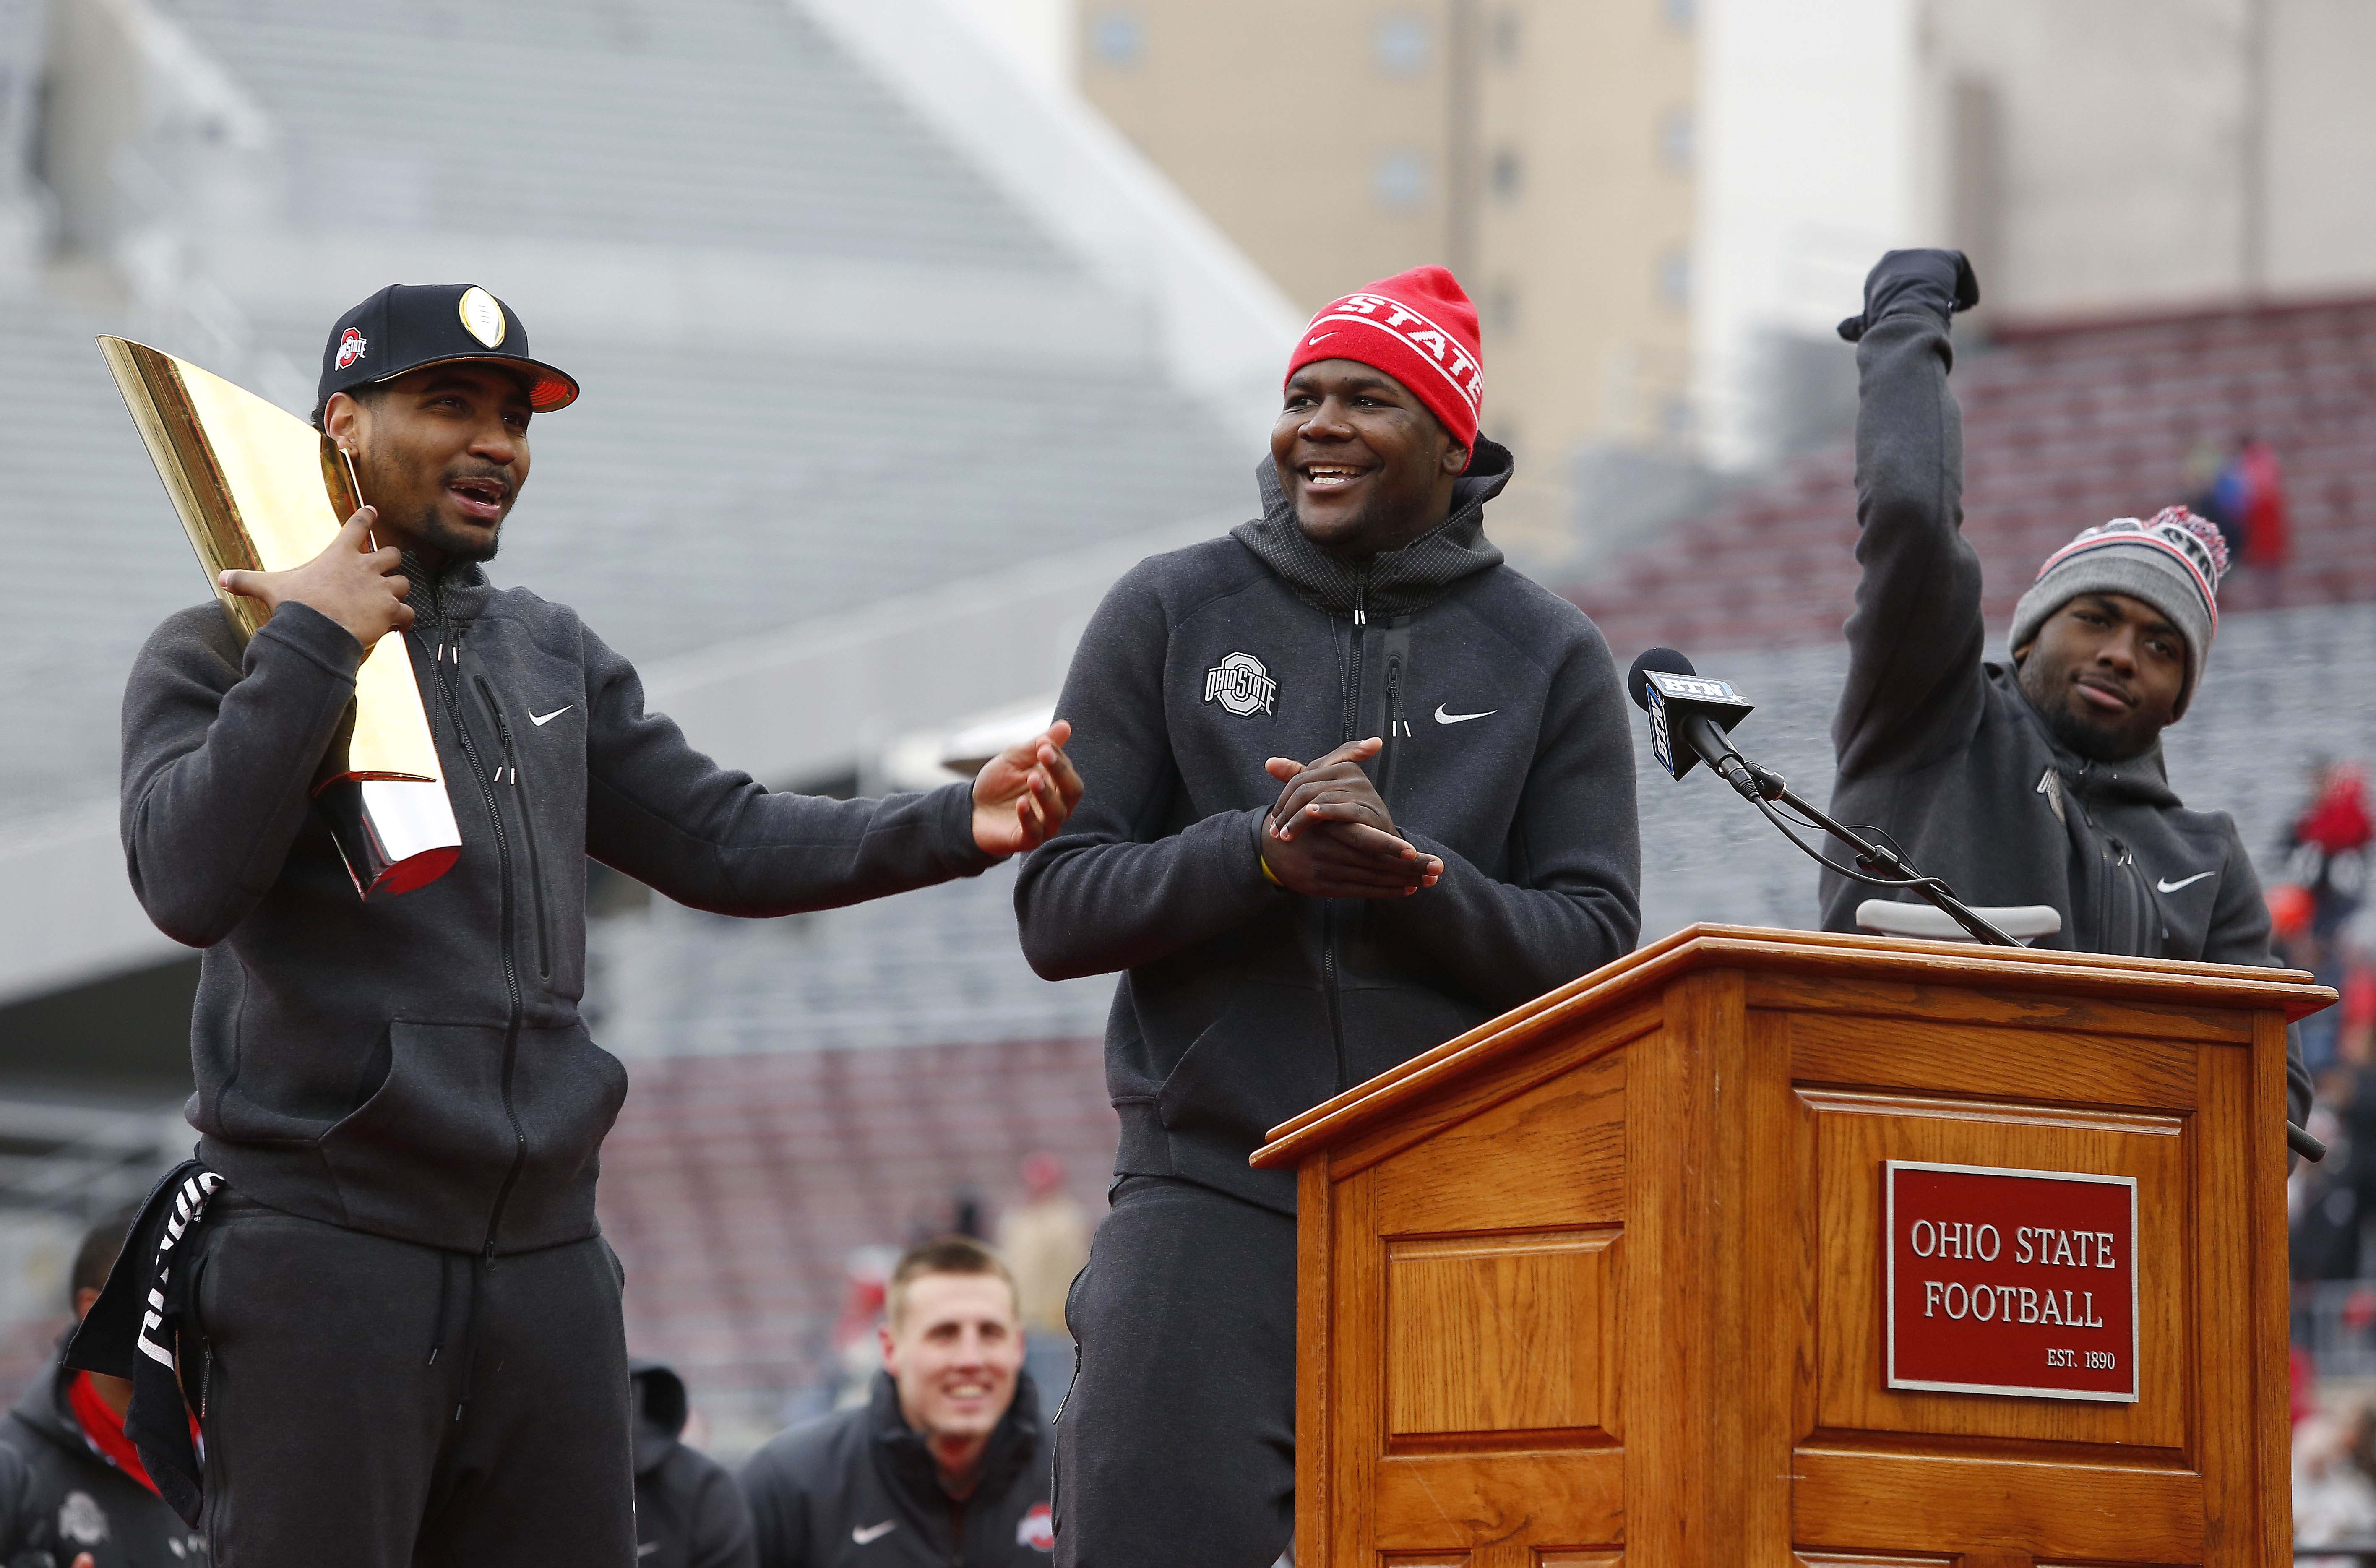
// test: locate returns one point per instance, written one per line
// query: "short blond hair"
(944, 1254)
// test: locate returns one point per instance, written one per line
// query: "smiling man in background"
(1461, 838)
(2040, 781)
(405, 1323)
(943, 1466)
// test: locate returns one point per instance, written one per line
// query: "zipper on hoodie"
(510, 774)
(1396, 728)
(504, 866)
(1328, 906)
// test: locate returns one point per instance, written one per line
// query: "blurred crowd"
(2323, 923)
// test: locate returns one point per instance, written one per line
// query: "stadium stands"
(2063, 426)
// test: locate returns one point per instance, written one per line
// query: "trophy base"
(395, 834)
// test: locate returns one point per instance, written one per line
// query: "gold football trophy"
(259, 489)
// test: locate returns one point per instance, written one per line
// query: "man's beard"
(2074, 732)
(432, 529)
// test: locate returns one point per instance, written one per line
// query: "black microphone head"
(1666, 661)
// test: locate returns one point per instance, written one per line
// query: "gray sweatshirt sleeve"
(1572, 901)
(713, 838)
(2240, 935)
(1915, 639)
(221, 746)
(1118, 889)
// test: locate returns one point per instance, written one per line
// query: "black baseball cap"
(407, 326)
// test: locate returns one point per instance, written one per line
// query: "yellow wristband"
(1268, 875)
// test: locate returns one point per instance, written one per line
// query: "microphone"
(1687, 706)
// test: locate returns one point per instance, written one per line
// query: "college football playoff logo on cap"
(481, 317)
(1241, 684)
(352, 345)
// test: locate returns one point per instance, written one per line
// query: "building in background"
(1541, 149)
(2118, 156)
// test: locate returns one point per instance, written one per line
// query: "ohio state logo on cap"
(351, 344)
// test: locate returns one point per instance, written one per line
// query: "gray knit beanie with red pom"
(2173, 562)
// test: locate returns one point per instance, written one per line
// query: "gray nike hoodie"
(1939, 748)
(1507, 755)
(417, 1067)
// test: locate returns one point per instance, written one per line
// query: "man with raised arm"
(397, 1319)
(1355, 787)
(2041, 779)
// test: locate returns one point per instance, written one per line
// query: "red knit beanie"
(1418, 327)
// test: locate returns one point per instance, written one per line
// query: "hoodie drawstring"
(478, 1266)
(437, 1323)
(470, 1331)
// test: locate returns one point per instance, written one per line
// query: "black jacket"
(76, 1501)
(689, 1512)
(417, 1068)
(1507, 755)
(858, 1489)
(1940, 748)
(24, 1526)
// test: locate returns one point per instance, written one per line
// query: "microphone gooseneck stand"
(1762, 786)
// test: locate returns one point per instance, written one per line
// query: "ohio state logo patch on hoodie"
(1037, 1529)
(1241, 685)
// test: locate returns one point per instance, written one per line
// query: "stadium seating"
(2063, 426)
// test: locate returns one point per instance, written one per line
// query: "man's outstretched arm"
(713, 838)
(1916, 639)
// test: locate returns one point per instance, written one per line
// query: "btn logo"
(483, 316)
(1241, 684)
(351, 344)
(1037, 1529)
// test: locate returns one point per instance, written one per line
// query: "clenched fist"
(362, 588)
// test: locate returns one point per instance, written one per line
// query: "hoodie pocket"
(1263, 1059)
(423, 1157)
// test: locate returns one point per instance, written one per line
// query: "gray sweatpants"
(332, 1438)
(1177, 1445)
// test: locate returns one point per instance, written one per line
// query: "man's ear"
(1455, 459)
(342, 422)
(882, 1340)
(2022, 652)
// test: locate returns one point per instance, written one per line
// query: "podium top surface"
(1904, 960)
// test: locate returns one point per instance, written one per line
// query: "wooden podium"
(1664, 1267)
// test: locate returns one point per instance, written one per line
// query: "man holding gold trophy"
(380, 1289)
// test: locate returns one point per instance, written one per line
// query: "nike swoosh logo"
(1322, 338)
(867, 1534)
(542, 719)
(1444, 717)
(647, 1549)
(2183, 881)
